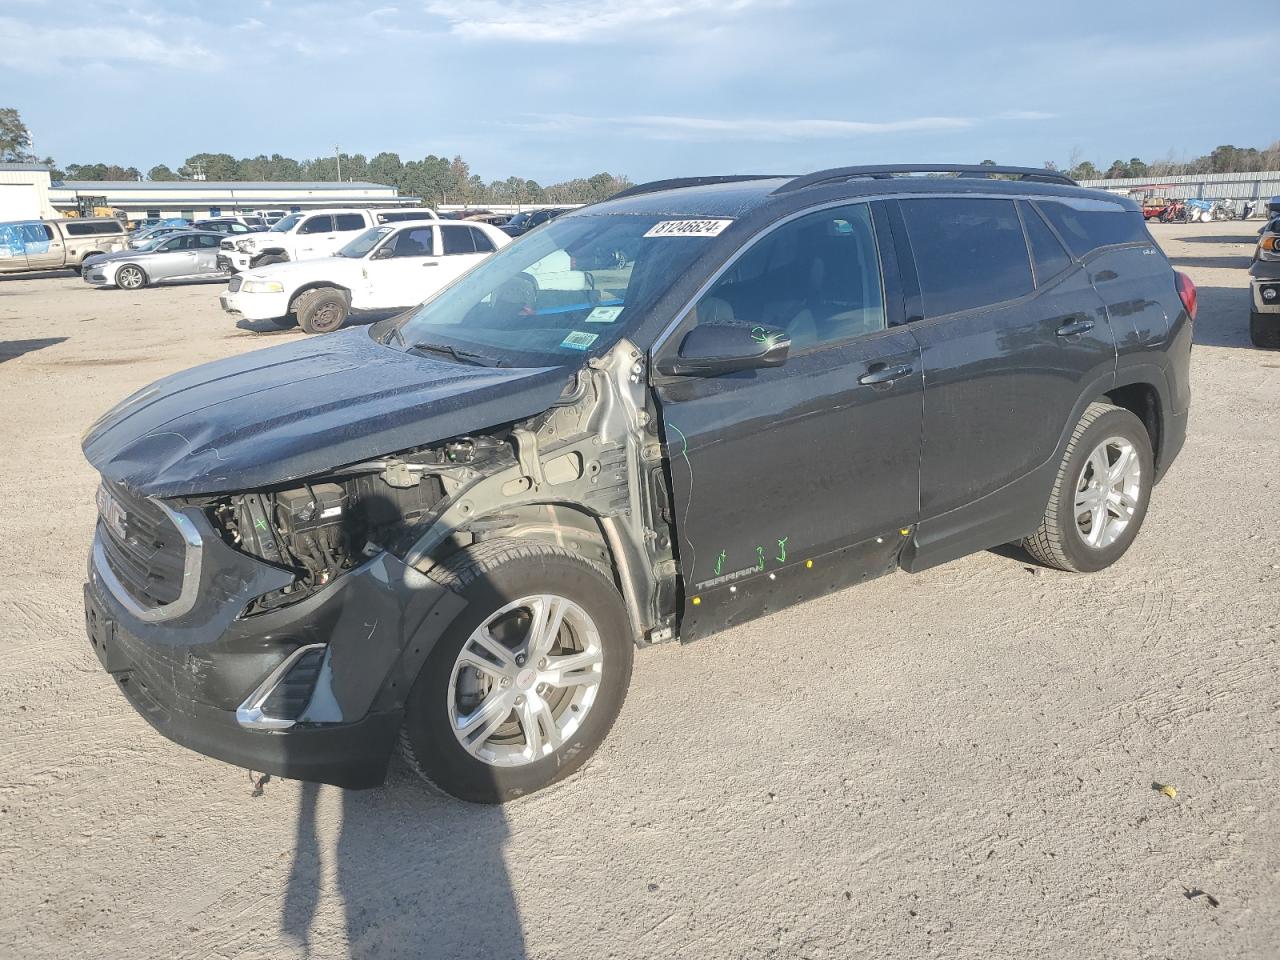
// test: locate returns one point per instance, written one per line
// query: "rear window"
(1088, 224)
(91, 229)
(350, 221)
(457, 239)
(969, 252)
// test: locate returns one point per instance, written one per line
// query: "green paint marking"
(720, 562)
(260, 524)
(759, 558)
(782, 550)
(759, 335)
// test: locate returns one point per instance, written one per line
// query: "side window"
(234, 227)
(110, 227)
(481, 240)
(1089, 224)
(79, 229)
(1047, 254)
(350, 221)
(817, 278)
(321, 224)
(414, 242)
(457, 240)
(167, 246)
(208, 241)
(969, 252)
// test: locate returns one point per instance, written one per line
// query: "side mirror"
(384, 253)
(713, 349)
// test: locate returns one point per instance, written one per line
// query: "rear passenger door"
(316, 237)
(791, 481)
(409, 275)
(1011, 335)
(461, 247)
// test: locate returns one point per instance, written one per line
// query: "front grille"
(234, 284)
(150, 556)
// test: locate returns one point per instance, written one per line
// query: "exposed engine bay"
(586, 474)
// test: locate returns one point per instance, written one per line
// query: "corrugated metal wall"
(34, 178)
(1198, 186)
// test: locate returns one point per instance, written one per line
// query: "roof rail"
(655, 185)
(883, 172)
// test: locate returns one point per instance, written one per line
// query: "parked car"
(451, 529)
(56, 244)
(388, 266)
(301, 236)
(228, 226)
(189, 255)
(1264, 287)
(522, 223)
(140, 238)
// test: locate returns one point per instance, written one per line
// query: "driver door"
(176, 259)
(409, 275)
(792, 481)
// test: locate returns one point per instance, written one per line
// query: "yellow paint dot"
(697, 601)
(904, 531)
(808, 564)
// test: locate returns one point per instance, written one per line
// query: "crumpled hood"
(293, 411)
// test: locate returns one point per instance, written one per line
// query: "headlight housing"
(262, 286)
(244, 246)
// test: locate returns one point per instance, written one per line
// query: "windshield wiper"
(461, 356)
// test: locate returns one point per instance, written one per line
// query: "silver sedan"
(191, 255)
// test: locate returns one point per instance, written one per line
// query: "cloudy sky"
(551, 89)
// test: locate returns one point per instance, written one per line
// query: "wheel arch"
(1144, 393)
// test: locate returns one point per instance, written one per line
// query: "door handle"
(431, 263)
(882, 373)
(1075, 327)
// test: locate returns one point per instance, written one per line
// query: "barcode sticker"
(688, 228)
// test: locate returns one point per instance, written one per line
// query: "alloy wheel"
(525, 680)
(130, 278)
(1107, 492)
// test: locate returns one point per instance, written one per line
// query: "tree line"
(434, 179)
(1223, 159)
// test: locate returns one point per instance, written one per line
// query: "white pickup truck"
(394, 265)
(301, 236)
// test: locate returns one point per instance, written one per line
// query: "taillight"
(1186, 291)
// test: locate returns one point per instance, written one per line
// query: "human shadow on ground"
(10, 349)
(419, 875)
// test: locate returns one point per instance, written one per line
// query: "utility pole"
(337, 155)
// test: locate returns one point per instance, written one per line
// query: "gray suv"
(451, 530)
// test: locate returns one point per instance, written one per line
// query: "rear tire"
(573, 704)
(1100, 496)
(131, 277)
(321, 311)
(1264, 330)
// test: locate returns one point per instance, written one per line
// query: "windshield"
(572, 288)
(364, 242)
(285, 224)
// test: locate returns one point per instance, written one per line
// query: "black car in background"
(450, 530)
(522, 223)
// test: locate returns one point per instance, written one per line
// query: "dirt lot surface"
(956, 764)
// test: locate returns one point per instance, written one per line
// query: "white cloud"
(27, 45)
(577, 21)
(659, 127)
(1025, 115)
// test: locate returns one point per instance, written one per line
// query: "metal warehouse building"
(1198, 186)
(196, 199)
(24, 192)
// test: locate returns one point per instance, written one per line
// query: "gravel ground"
(955, 764)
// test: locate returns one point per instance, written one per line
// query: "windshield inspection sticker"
(688, 228)
(579, 340)
(603, 315)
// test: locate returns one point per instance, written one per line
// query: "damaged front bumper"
(312, 691)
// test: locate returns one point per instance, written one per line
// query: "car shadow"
(1229, 263)
(264, 326)
(418, 875)
(10, 349)
(1244, 238)
(41, 275)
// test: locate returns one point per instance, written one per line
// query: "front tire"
(1264, 330)
(1100, 497)
(321, 311)
(526, 683)
(131, 277)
